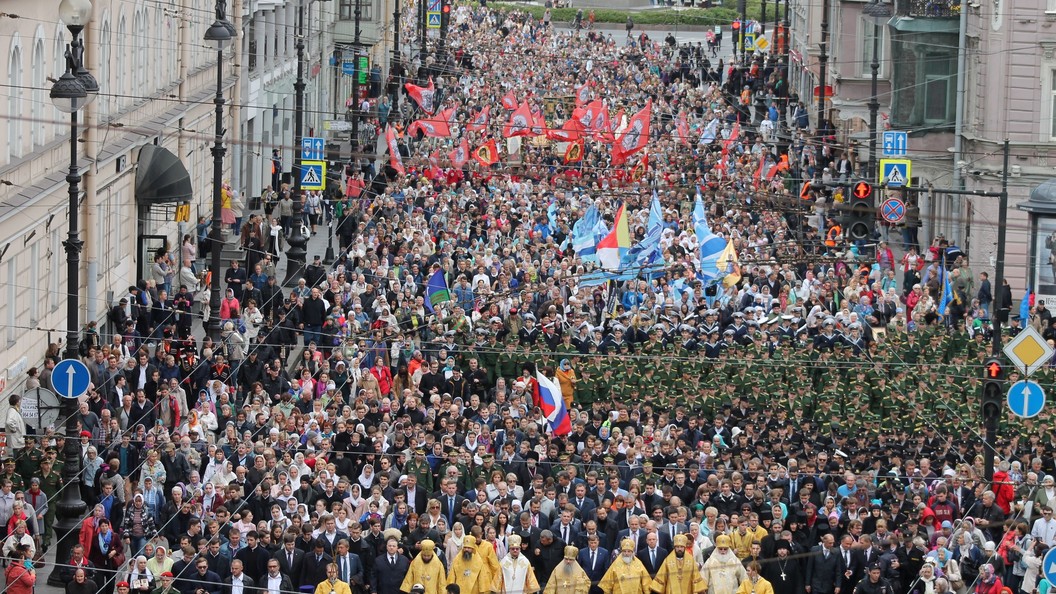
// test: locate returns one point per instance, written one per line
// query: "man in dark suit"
(529, 534)
(417, 497)
(254, 557)
(290, 558)
(389, 568)
(823, 567)
(630, 510)
(350, 567)
(314, 570)
(595, 561)
(238, 582)
(850, 569)
(652, 556)
(584, 503)
(539, 519)
(275, 580)
(635, 533)
(201, 580)
(567, 528)
(450, 501)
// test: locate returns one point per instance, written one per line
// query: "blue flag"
(709, 244)
(1024, 308)
(947, 291)
(436, 291)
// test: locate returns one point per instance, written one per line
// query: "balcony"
(929, 9)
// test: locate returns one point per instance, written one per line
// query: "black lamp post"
(218, 34)
(355, 83)
(75, 89)
(878, 14)
(297, 254)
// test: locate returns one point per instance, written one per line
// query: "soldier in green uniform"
(29, 458)
(510, 361)
(50, 484)
(419, 467)
(584, 390)
(17, 484)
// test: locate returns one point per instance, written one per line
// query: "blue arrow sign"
(1026, 399)
(70, 378)
(896, 144)
(312, 149)
(1048, 565)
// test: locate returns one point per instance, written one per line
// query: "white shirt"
(1045, 530)
(274, 584)
(236, 584)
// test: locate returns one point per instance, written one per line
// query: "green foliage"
(706, 17)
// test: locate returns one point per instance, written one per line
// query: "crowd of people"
(803, 424)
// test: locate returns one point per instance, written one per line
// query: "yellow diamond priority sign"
(1028, 351)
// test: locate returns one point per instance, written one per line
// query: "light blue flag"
(656, 213)
(1024, 308)
(586, 233)
(711, 132)
(644, 258)
(710, 245)
(551, 215)
(947, 291)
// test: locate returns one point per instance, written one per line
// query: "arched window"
(137, 42)
(58, 59)
(37, 123)
(105, 87)
(14, 102)
(122, 64)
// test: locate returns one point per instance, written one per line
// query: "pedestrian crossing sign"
(313, 175)
(896, 173)
(434, 20)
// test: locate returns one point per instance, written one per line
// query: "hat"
(428, 545)
(782, 544)
(989, 546)
(947, 524)
(627, 545)
(166, 573)
(512, 541)
(86, 433)
(571, 552)
(468, 542)
(723, 541)
(125, 584)
(680, 540)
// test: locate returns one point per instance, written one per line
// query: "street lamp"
(218, 34)
(878, 14)
(72, 92)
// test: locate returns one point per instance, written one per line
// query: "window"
(939, 79)
(104, 70)
(347, 10)
(39, 84)
(14, 102)
(867, 33)
(251, 34)
(12, 299)
(1052, 103)
(122, 65)
(55, 257)
(36, 295)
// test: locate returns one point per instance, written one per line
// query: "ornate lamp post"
(218, 34)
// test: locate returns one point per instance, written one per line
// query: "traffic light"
(861, 213)
(993, 389)
(445, 14)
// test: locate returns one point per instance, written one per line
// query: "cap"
(680, 540)
(166, 573)
(86, 433)
(947, 524)
(512, 541)
(125, 584)
(428, 545)
(572, 552)
(627, 545)
(723, 541)
(468, 542)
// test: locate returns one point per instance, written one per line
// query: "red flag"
(509, 101)
(759, 171)
(603, 129)
(781, 166)
(434, 127)
(520, 123)
(423, 96)
(585, 114)
(460, 154)
(682, 129)
(571, 131)
(480, 121)
(487, 154)
(574, 152)
(395, 159)
(538, 123)
(582, 94)
(635, 137)
(734, 133)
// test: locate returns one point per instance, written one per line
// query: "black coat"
(822, 573)
(388, 578)
(247, 584)
(646, 559)
(314, 571)
(293, 570)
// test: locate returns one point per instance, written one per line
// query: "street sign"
(1048, 565)
(893, 210)
(432, 20)
(749, 42)
(862, 190)
(434, 5)
(1028, 351)
(313, 175)
(896, 173)
(762, 44)
(312, 149)
(1026, 399)
(183, 212)
(896, 144)
(70, 378)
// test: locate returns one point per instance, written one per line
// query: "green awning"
(905, 24)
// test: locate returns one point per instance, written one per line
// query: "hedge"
(723, 15)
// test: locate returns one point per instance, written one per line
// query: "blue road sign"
(1026, 399)
(896, 144)
(1048, 565)
(896, 173)
(434, 20)
(70, 378)
(434, 6)
(312, 149)
(313, 175)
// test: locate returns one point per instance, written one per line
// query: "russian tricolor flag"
(548, 395)
(613, 246)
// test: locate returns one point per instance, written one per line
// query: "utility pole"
(296, 255)
(396, 69)
(823, 63)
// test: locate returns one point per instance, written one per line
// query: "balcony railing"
(928, 8)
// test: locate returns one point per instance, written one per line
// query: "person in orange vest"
(834, 234)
